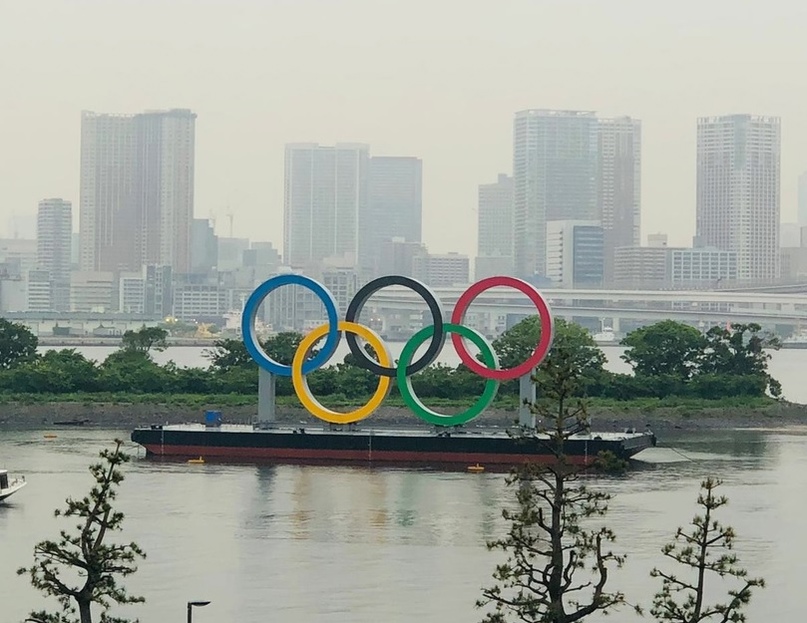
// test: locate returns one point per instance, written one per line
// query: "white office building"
(199, 302)
(92, 291)
(131, 293)
(701, 267)
(441, 270)
(38, 291)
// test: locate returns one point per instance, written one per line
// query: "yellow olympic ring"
(301, 383)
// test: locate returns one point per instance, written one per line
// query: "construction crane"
(230, 217)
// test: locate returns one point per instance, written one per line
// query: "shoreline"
(16, 416)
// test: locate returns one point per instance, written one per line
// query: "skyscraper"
(325, 192)
(137, 179)
(54, 238)
(554, 178)
(394, 206)
(619, 175)
(164, 185)
(107, 219)
(494, 249)
(738, 191)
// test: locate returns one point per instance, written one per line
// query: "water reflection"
(716, 444)
(361, 545)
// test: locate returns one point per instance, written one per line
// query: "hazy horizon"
(436, 80)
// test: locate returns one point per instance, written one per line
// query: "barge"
(350, 444)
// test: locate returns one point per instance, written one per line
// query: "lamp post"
(191, 604)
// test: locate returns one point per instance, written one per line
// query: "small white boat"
(606, 336)
(797, 340)
(8, 485)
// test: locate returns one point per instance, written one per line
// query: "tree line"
(668, 359)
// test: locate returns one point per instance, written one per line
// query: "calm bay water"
(302, 544)
(786, 365)
(305, 544)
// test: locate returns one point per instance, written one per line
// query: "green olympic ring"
(415, 404)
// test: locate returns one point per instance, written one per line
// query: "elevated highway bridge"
(715, 307)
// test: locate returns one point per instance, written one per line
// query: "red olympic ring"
(541, 350)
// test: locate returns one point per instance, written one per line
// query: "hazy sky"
(439, 79)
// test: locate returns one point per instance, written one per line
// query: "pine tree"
(557, 567)
(705, 551)
(87, 555)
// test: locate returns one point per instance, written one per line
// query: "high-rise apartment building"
(494, 248)
(619, 176)
(137, 182)
(738, 191)
(54, 238)
(164, 186)
(325, 192)
(394, 207)
(107, 219)
(554, 178)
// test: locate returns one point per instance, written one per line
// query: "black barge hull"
(377, 446)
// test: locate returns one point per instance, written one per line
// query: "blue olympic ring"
(251, 311)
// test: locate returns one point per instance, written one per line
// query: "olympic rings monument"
(341, 440)
(384, 368)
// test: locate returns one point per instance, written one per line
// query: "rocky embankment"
(124, 416)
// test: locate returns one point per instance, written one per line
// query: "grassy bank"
(125, 411)
(505, 402)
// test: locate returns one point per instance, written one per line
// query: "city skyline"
(122, 143)
(409, 85)
(618, 141)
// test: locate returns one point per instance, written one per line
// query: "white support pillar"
(266, 399)
(526, 392)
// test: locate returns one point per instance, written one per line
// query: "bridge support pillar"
(526, 396)
(266, 400)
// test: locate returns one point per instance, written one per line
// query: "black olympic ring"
(435, 307)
